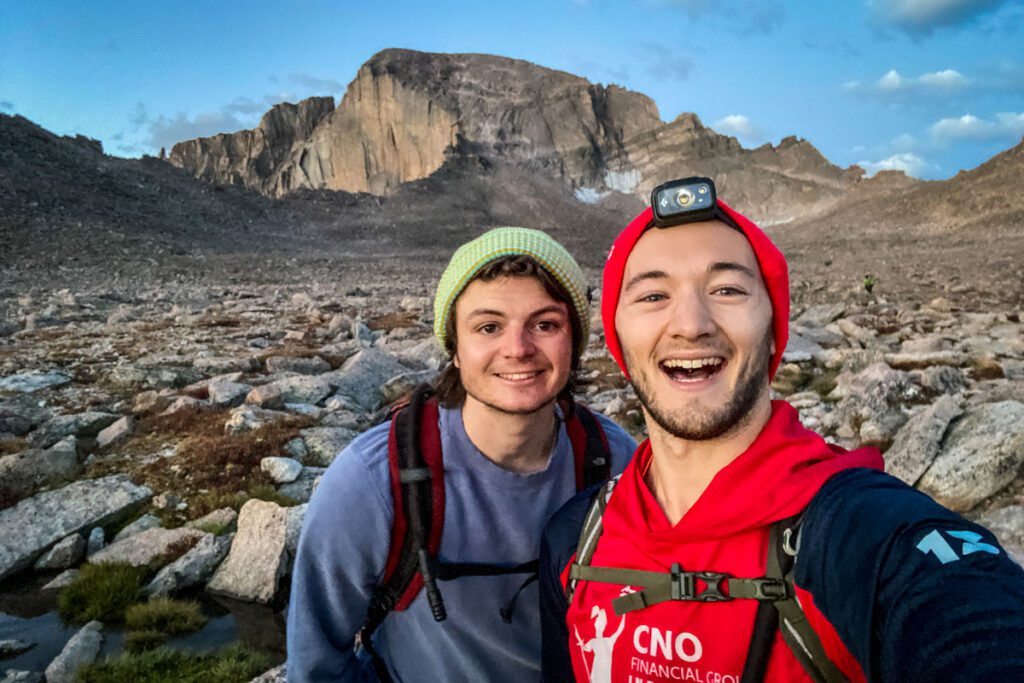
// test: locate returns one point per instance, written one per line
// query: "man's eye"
(547, 326)
(489, 328)
(729, 291)
(652, 297)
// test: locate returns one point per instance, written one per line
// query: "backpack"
(417, 491)
(775, 592)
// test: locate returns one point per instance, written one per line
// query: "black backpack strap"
(797, 631)
(597, 457)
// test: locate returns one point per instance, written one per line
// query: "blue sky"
(929, 86)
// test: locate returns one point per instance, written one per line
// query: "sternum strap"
(679, 585)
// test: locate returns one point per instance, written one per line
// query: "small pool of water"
(29, 613)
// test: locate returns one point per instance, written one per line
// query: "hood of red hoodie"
(773, 479)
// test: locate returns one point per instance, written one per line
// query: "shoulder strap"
(796, 629)
(417, 491)
(590, 533)
(797, 632)
(589, 446)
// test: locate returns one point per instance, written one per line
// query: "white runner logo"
(600, 668)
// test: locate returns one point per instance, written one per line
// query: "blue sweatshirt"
(492, 515)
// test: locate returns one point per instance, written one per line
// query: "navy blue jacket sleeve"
(557, 547)
(916, 592)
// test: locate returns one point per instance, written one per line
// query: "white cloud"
(741, 127)
(894, 84)
(1008, 125)
(891, 82)
(923, 17)
(949, 79)
(909, 163)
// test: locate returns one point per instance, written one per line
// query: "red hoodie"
(725, 531)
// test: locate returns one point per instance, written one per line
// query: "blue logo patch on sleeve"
(936, 544)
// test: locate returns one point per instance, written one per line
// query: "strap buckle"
(683, 585)
(770, 589)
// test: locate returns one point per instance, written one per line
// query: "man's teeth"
(518, 375)
(693, 364)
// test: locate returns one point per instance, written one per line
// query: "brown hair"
(448, 383)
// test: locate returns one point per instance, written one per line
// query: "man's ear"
(455, 359)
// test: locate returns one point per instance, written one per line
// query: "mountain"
(406, 112)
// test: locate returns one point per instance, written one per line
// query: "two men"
(681, 569)
(509, 448)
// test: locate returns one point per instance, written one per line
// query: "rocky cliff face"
(407, 112)
(260, 158)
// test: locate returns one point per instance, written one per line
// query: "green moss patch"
(151, 623)
(230, 665)
(101, 591)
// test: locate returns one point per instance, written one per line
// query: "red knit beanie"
(771, 261)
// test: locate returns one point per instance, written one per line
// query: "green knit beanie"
(470, 259)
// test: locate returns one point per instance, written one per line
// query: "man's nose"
(519, 343)
(691, 316)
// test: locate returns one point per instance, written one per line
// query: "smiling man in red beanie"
(738, 545)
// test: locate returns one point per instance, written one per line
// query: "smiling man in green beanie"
(422, 539)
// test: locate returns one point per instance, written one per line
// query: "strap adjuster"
(769, 589)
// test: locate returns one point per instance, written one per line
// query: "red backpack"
(417, 491)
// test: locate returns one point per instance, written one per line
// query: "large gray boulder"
(31, 382)
(281, 470)
(147, 547)
(301, 389)
(154, 374)
(302, 489)
(870, 409)
(360, 378)
(118, 431)
(302, 366)
(86, 424)
(219, 365)
(227, 394)
(66, 553)
(324, 443)
(983, 453)
(919, 441)
(800, 350)
(31, 527)
(191, 569)
(246, 418)
(258, 558)
(138, 526)
(82, 649)
(24, 473)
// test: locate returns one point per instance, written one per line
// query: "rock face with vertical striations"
(258, 158)
(406, 111)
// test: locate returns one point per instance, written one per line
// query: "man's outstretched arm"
(916, 592)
